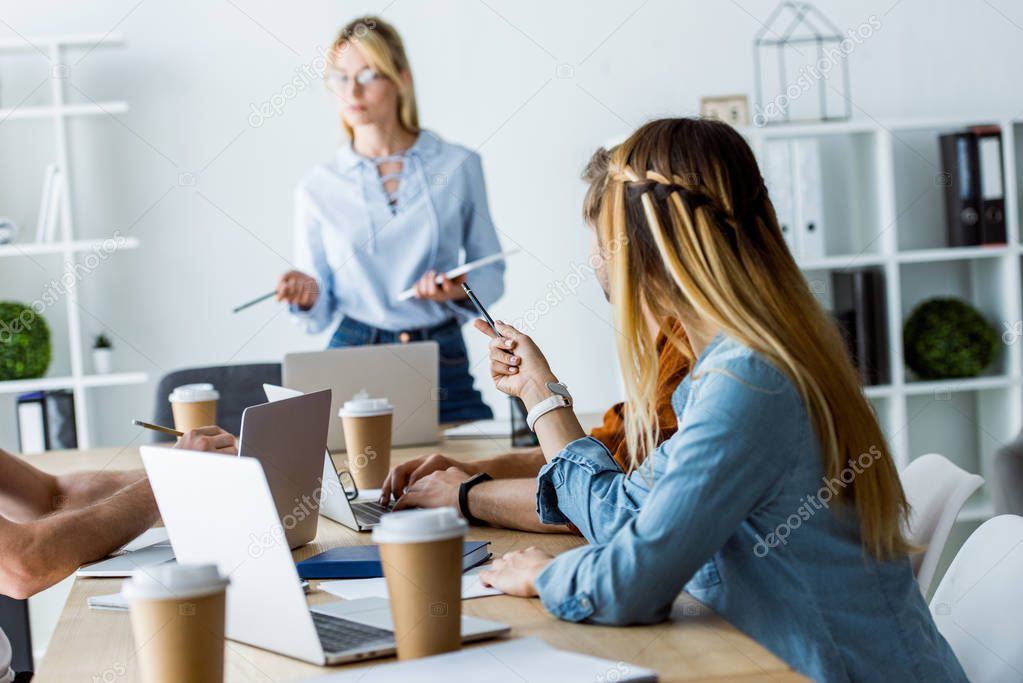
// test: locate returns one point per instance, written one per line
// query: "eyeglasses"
(338, 81)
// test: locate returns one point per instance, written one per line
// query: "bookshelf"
(883, 175)
(69, 373)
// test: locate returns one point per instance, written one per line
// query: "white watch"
(559, 398)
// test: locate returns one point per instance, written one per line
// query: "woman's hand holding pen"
(297, 288)
(429, 289)
(517, 365)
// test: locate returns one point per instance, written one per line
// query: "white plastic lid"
(419, 526)
(191, 393)
(361, 405)
(173, 580)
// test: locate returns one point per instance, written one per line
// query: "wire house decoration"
(810, 77)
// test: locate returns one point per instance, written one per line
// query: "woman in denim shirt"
(396, 207)
(776, 503)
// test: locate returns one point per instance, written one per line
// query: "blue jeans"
(459, 400)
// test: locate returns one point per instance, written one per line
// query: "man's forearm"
(509, 503)
(80, 489)
(514, 465)
(38, 554)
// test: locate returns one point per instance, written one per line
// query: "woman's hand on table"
(297, 288)
(427, 287)
(515, 573)
(212, 439)
(408, 473)
(517, 365)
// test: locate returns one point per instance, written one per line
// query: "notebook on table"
(363, 561)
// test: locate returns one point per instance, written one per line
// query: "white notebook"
(522, 660)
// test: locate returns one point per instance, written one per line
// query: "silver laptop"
(265, 604)
(407, 374)
(345, 505)
(288, 437)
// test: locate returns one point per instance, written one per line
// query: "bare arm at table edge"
(37, 554)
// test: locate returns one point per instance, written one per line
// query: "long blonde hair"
(381, 45)
(684, 202)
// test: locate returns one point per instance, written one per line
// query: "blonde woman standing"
(396, 207)
(776, 503)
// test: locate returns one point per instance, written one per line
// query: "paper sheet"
(353, 589)
(147, 538)
(522, 660)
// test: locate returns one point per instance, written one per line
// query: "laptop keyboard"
(341, 635)
(368, 513)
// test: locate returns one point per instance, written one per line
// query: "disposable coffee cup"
(421, 553)
(367, 425)
(177, 616)
(193, 406)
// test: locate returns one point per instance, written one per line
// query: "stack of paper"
(524, 660)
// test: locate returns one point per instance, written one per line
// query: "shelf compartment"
(983, 283)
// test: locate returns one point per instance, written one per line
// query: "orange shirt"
(672, 368)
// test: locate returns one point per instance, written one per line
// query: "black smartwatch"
(463, 496)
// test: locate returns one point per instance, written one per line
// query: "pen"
(157, 428)
(253, 302)
(479, 307)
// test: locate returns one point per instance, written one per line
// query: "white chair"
(936, 490)
(978, 603)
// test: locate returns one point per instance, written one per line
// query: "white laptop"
(265, 604)
(358, 510)
(407, 374)
(288, 437)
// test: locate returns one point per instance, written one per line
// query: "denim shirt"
(363, 252)
(734, 509)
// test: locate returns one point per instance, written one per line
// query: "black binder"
(992, 185)
(960, 162)
(859, 309)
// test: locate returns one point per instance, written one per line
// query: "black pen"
(253, 302)
(479, 307)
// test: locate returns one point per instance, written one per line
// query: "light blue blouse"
(734, 508)
(363, 252)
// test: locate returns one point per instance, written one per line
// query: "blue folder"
(363, 561)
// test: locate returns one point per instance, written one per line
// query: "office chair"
(240, 386)
(979, 600)
(14, 622)
(936, 490)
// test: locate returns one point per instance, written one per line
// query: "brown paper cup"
(180, 640)
(190, 415)
(424, 581)
(368, 442)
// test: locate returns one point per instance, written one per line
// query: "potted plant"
(102, 354)
(25, 350)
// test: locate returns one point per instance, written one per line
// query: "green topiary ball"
(25, 350)
(948, 339)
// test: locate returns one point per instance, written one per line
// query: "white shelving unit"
(902, 232)
(68, 248)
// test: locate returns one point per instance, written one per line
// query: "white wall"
(487, 77)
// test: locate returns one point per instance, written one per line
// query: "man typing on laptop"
(510, 499)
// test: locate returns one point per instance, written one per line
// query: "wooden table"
(696, 645)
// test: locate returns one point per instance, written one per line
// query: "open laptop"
(337, 502)
(265, 604)
(288, 437)
(407, 374)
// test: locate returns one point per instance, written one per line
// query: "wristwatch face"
(559, 389)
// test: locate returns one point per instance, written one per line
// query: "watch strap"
(463, 496)
(545, 406)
